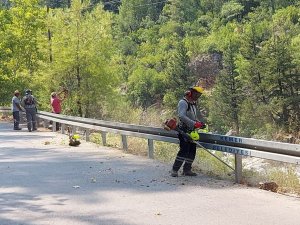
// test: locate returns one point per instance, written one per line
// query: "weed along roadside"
(255, 171)
(45, 180)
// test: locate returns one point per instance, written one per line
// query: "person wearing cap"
(188, 122)
(56, 101)
(16, 108)
(30, 104)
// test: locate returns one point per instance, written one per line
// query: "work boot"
(174, 173)
(189, 173)
(18, 128)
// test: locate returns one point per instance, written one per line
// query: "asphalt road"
(44, 181)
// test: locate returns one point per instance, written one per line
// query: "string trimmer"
(171, 124)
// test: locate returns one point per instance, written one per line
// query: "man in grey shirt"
(187, 123)
(16, 108)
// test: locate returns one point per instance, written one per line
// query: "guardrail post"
(74, 130)
(45, 123)
(62, 127)
(37, 121)
(124, 142)
(87, 135)
(238, 168)
(5, 113)
(21, 117)
(103, 136)
(53, 126)
(150, 149)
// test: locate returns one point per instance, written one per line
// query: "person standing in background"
(16, 108)
(30, 105)
(56, 101)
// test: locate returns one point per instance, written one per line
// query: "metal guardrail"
(238, 146)
(5, 110)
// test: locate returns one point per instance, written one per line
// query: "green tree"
(133, 12)
(267, 68)
(285, 73)
(180, 11)
(232, 10)
(274, 5)
(178, 76)
(57, 3)
(227, 95)
(19, 31)
(83, 48)
(211, 6)
(256, 110)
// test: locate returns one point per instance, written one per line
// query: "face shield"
(195, 95)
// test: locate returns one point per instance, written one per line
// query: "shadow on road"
(38, 179)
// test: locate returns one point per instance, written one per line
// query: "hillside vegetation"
(132, 60)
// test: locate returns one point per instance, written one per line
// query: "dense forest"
(125, 59)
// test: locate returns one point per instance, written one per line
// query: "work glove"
(199, 125)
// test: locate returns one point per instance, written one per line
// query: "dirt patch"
(6, 118)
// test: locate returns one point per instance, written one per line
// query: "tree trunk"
(79, 103)
(49, 39)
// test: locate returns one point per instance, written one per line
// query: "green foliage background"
(121, 60)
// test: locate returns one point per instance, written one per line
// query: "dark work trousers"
(57, 124)
(16, 116)
(186, 154)
(31, 118)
